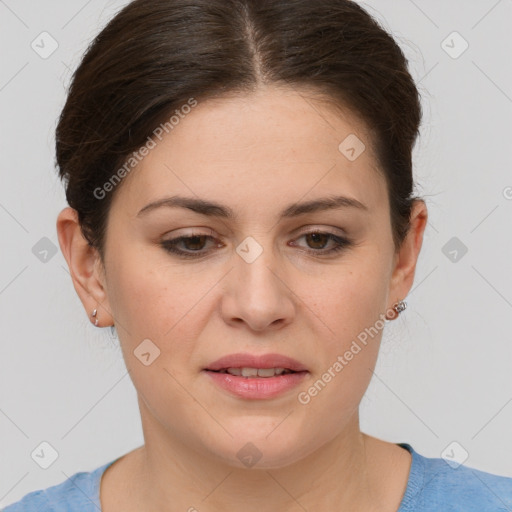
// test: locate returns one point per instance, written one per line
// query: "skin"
(256, 154)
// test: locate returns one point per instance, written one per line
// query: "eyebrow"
(213, 209)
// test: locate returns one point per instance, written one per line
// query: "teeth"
(267, 372)
(249, 372)
(256, 372)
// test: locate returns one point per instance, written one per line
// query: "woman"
(241, 210)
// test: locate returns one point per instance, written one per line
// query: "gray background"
(444, 372)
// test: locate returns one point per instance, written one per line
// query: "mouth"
(248, 372)
(256, 383)
(256, 377)
(256, 365)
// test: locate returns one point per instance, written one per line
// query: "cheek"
(348, 308)
(155, 319)
(154, 300)
(147, 296)
(349, 298)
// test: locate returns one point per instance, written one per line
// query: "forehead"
(260, 147)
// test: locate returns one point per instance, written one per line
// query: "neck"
(174, 476)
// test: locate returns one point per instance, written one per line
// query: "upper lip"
(244, 360)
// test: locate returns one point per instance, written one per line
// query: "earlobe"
(85, 268)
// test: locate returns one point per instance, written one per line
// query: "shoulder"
(435, 484)
(78, 493)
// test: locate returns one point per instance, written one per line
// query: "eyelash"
(341, 243)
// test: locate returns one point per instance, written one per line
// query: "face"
(203, 285)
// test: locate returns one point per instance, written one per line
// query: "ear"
(407, 256)
(85, 267)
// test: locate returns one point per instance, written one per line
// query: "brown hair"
(155, 55)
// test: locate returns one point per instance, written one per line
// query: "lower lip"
(256, 387)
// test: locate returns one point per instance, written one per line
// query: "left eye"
(194, 244)
(321, 238)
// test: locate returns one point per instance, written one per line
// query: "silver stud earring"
(400, 306)
(93, 314)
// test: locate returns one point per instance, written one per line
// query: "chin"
(267, 445)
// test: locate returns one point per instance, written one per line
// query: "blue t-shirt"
(433, 486)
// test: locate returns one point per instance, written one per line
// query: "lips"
(264, 361)
(256, 377)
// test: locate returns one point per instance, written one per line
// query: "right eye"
(193, 244)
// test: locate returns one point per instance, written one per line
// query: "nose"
(257, 294)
